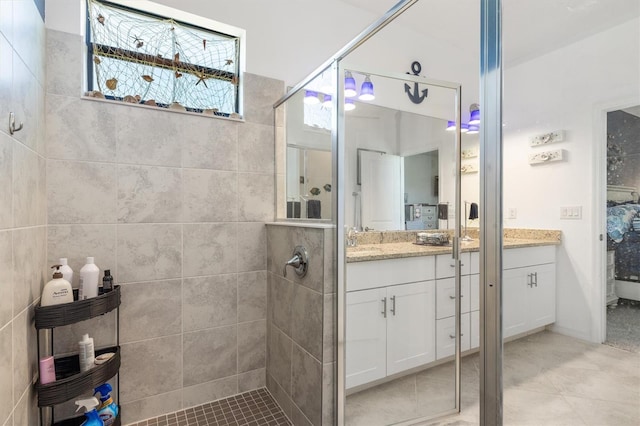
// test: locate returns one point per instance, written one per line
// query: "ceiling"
(530, 28)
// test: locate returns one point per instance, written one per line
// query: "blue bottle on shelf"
(90, 404)
(107, 410)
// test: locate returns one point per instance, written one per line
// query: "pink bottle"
(47, 370)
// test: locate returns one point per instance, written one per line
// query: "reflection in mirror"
(421, 188)
(305, 145)
(308, 183)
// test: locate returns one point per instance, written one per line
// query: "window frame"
(157, 11)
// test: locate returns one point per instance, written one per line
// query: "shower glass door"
(403, 292)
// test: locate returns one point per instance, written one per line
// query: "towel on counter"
(473, 211)
(443, 211)
(293, 209)
(313, 209)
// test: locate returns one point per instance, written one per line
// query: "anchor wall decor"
(416, 96)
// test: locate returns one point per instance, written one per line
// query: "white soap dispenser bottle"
(57, 291)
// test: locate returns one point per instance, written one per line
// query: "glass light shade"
(451, 126)
(366, 90)
(327, 101)
(311, 97)
(473, 129)
(474, 117)
(349, 105)
(349, 85)
(464, 128)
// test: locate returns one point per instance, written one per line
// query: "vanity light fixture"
(366, 90)
(311, 97)
(326, 102)
(349, 85)
(451, 126)
(473, 129)
(349, 105)
(464, 128)
(474, 114)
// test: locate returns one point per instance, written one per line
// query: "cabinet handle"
(384, 307)
(393, 305)
(453, 297)
(453, 336)
(529, 280)
(535, 274)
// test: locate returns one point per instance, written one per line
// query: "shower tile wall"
(300, 354)
(175, 205)
(22, 206)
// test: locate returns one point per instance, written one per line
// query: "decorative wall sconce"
(547, 138)
(546, 157)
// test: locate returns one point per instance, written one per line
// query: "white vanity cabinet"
(528, 289)
(390, 328)
(401, 312)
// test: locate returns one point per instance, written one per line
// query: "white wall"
(568, 89)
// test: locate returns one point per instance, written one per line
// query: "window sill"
(157, 108)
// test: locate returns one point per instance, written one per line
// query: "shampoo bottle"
(56, 291)
(89, 275)
(90, 413)
(108, 410)
(87, 353)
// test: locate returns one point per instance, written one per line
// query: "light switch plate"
(571, 212)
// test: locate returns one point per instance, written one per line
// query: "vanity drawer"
(445, 336)
(382, 273)
(445, 296)
(528, 256)
(445, 266)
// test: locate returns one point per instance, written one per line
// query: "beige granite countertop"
(400, 244)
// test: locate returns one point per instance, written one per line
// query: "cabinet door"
(410, 325)
(514, 301)
(541, 295)
(366, 346)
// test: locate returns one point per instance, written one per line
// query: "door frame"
(599, 202)
(338, 138)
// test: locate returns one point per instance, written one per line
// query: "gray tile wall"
(300, 326)
(175, 205)
(22, 206)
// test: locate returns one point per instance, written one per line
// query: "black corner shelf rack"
(70, 381)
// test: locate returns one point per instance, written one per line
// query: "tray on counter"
(79, 310)
(70, 382)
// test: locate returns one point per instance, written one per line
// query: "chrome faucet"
(352, 239)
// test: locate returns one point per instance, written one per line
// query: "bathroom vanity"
(400, 302)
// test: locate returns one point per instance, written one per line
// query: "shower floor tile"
(253, 408)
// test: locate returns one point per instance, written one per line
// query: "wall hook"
(12, 124)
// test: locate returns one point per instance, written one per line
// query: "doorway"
(623, 229)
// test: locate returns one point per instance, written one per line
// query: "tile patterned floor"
(549, 379)
(253, 408)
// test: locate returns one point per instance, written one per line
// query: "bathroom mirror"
(303, 146)
(405, 161)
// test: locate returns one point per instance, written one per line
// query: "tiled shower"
(174, 204)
